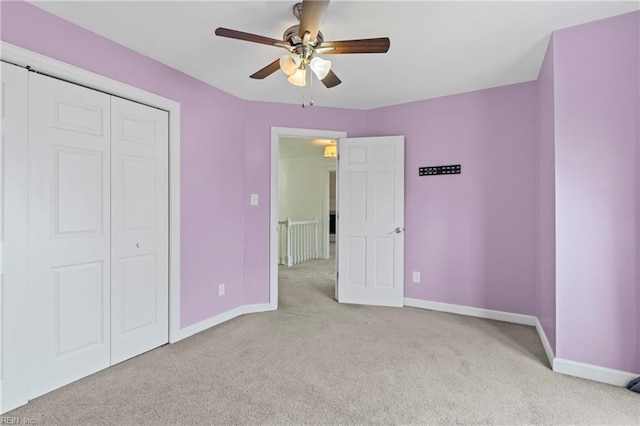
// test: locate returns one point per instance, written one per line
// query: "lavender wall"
(546, 224)
(597, 176)
(472, 236)
(259, 118)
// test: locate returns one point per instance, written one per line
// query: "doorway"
(306, 203)
(278, 134)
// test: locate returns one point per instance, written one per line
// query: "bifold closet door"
(98, 231)
(140, 229)
(69, 233)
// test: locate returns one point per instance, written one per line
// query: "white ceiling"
(437, 48)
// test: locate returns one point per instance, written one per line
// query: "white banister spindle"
(316, 250)
(298, 241)
(288, 226)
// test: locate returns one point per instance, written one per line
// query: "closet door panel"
(140, 205)
(69, 233)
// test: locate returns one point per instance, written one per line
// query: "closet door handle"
(138, 244)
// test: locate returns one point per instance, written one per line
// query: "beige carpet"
(317, 362)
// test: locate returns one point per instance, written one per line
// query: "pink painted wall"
(546, 223)
(259, 118)
(472, 236)
(596, 79)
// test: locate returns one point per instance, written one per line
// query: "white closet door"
(69, 233)
(140, 224)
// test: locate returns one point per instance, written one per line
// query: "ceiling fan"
(304, 43)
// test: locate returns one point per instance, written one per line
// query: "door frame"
(276, 134)
(326, 204)
(44, 64)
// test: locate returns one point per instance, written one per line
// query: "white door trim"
(276, 134)
(326, 208)
(13, 244)
(53, 67)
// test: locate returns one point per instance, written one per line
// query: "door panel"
(69, 233)
(138, 193)
(78, 293)
(384, 250)
(357, 247)
(371, 205)
(78, 117)
(140, 205)
(139, 301)
(77, 175)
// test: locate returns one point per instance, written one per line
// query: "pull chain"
(304, 104)
(311, 89)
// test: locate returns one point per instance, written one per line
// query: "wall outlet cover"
(220, 289)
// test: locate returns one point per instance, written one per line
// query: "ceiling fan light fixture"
(289, 63)
(320, 67)
(299, 78)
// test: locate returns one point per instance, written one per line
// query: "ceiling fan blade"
(311, 17)
(369, 45)
(239, 35)
(266, 71)
(331, 80)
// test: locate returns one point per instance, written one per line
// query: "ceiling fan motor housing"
(291, 36)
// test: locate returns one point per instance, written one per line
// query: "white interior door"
(69, 233)
(140, 229)
(371, 221)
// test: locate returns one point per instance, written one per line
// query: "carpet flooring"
(314, 361)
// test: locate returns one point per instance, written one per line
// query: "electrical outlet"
(416, 276)
(220, 289)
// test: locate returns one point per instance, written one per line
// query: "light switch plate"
(254, 199)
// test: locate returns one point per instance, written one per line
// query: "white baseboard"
(545, 343)
(559, 365)
(223, 317)
(593, 372)
(488, 314)
(471, 311)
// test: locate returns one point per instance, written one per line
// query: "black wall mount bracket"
(453, 169)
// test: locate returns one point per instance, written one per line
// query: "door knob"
(138, 245)
(398, 230)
